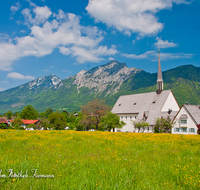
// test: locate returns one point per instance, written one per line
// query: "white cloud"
(2, 89)
(66, 71)
(128, 33)
(15, 7)
(22, 31)
(7, 82)
(83, 55)
(63, 32)
(153, 55)
(5, 38)
(19, 76)
(64, 50)
(31, 3)
(41, 15)
(164, 44)
(137, 16)
(111, 58)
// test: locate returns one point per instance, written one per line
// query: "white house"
(186, 120)
(146, 106)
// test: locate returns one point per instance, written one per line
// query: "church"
(146, 106)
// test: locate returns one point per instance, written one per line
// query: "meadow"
(98, 160)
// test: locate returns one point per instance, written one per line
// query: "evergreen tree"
(29, 112)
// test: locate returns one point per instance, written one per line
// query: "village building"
(187, 120)
(27, 122)
(5, 121)
(146, 106)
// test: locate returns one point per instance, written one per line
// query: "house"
(146, 106)
(187, 120)
(4, 120)
(27, 122)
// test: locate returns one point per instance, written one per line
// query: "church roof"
(151, 103)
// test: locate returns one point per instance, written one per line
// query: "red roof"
(27, 122)
(3, 120)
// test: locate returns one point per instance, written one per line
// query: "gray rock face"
(48, 81)
(113, 74)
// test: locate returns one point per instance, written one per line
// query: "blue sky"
(42, 37)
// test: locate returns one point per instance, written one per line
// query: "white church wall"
(128, 119)
(170, 103)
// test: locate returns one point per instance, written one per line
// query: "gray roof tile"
(150, 103)
(194, 110)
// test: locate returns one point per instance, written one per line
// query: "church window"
(130, 117)
(154, 102)
(119, 104)
(121, 117)
(134, 103)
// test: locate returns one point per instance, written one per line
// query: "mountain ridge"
(107, 82)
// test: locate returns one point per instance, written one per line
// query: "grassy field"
(98, 160)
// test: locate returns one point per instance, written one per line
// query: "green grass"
(99, 160)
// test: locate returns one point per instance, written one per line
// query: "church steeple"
(159, 77)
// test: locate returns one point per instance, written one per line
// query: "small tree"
(44, 123)
(29, 112)
(48, 112)
(17, 122)
(93, 112)
(163, 125)
(112, 121)
(57, 121)
(8, 114)
(141, 124)
(3, 126)
(30, 126)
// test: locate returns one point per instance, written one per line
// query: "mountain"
(18, 97)
(107, 82)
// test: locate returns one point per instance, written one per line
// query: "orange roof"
(27, 122)
(3, 120)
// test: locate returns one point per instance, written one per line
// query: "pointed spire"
(159, 76)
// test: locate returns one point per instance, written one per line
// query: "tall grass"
(99, 160)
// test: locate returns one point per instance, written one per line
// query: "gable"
(170, 103)
(184, 112)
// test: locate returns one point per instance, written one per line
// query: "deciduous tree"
(57, 121)
(141, 124)
(163, 125)
(17, 122)
(112, 121)
(93, 112)
(8, 114)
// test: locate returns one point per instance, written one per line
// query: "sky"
(42, 37)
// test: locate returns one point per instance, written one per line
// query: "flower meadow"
(98, 160)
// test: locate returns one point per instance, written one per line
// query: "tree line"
(95, 115)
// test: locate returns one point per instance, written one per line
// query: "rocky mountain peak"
(113, 73)
(44, 82)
